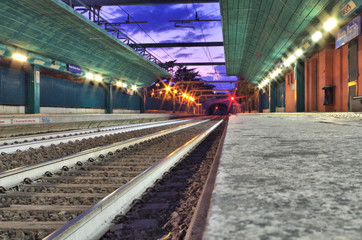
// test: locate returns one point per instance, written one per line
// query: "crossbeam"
(181, 44)
(132, 2)
(209, 82)
(199, 64)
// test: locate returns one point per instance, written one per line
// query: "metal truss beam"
(132, 2)
(94, 15)
(181, 44)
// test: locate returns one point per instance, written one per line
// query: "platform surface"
(289, 176)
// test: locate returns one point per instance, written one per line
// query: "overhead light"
(168, 88)
(276, 72)
(20, 57)
(119, 84)
(184, 95)
(286, 63)
(134, 87)
(124, 85)
(89, 76)
(316, 36)
(292, 58)
(330, 24)
(98, 78)
(175, 91)
(299, 52)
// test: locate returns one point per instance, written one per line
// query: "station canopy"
(257, 33)
(54, 30)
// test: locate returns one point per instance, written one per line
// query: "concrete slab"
(288, 176)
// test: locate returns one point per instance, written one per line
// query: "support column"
(33, 105)
(299, 78)
(261, 104)
(143, 101)
(109, 103)
(272, 96)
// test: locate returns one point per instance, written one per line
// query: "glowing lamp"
(98, 78)
(168, 88)
(134, 87)
(286, 63)
(316, 36)
(124, 85)
(299, 52)
(119, 84)
(330, 24)
(20, 57)
(232, 98)
(292, 58)
(89, 76)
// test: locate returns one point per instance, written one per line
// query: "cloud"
(157, 16)
(221, 56)
(191, 36)
(183, 55)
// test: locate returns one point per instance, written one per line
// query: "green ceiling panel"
(53, 29)
(258, 33)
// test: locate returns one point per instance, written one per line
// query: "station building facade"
(327, 80)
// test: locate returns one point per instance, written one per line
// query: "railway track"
(43, 197)
(23, 143)
(33, 156)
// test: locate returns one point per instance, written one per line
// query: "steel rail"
(36, 137)
(102, 213)
(14, 177)
(48, 142)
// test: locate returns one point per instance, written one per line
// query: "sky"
(160, 30)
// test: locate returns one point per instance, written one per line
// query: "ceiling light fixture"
(330, 24)
(316, 36)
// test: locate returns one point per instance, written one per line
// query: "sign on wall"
(349, 32)
(5, 121)
(74, 68)
(25, 120)
(348, 8)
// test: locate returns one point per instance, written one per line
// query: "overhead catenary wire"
(145, 32)
(207, 51)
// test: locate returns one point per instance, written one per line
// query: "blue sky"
(159, 30)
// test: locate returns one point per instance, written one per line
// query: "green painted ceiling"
(52, 29)
(258, 32)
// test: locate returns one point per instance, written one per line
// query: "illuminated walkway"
(289, 177)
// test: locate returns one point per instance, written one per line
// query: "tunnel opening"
(218, 109)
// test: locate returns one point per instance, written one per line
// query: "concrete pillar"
(109, 103)
(143, 101)
(33, 105)
(299, 77)
(272, 96)
(261, 104)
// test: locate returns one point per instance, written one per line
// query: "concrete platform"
(19, 124)
(289, 176)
